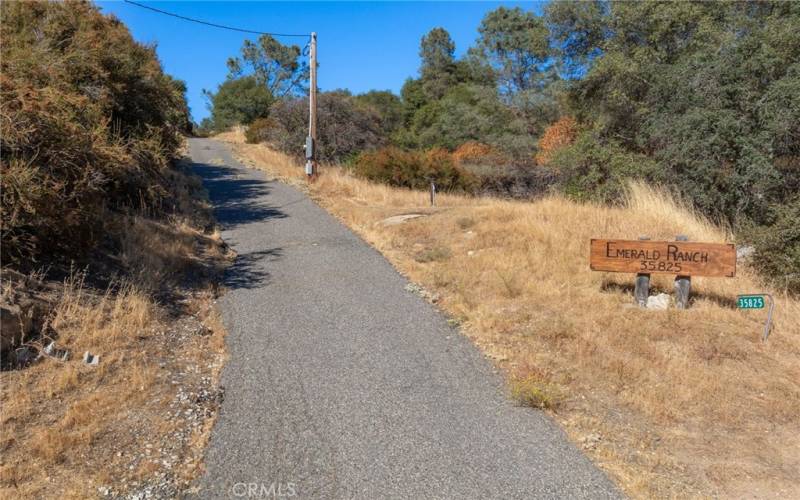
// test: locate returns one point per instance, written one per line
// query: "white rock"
(54, 352)
(399, 219)
(658, 302)
(590, 442)
(744, 252)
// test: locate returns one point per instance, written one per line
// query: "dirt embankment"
(137, 420)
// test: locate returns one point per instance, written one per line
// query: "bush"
(345, 127)
(258, 130)
(469, 113)
(498, 175)
(513, 181)
(558, 135)
(203, 129)
(590, 170)
(414, 169)
(711, 94)
(535, 392)
(388, 106)
(89, 123)
(433, 254)
(472, 151)
(777, 247)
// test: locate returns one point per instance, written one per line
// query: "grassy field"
(675, 403)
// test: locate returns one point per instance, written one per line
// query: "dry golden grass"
(235, 135)
(67, 427)
(675, 403)
(53, 412)
(157, 252)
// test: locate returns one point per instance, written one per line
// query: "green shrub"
(388, 106)
(465, 223)
(239, 101)
(203, 129)
(469, 113)
(590, 170)
(413, 169)
(777, 247)
(433, 254)
(708, 90)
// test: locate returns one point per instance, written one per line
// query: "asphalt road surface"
(343, 384)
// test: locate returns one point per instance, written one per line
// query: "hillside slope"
(110, 345)
(671, 403)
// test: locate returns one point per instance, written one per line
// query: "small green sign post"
(750, 302)
(756, 301)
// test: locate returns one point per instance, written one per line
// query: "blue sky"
(362, 45)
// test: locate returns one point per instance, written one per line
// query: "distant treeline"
(699, 97)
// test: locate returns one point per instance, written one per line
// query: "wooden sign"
(663, 257)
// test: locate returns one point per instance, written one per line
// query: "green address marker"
(757, 301)
(750, 302)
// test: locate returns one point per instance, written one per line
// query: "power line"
(212, 24)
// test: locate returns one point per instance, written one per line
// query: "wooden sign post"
(681, 258)
(641, 290)
(683, 283)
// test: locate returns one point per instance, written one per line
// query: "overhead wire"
(304, 51)
(215, 25)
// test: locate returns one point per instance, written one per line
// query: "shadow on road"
(248, 271)
(236, 200)
(239, 201)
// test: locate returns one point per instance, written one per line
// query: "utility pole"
(311, 141)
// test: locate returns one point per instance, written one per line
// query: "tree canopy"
(281, 68)
(698, 97)
(514, 43)
(437, 62)
(707, 90)
(239, 101)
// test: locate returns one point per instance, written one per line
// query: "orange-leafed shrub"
(561, 133)
(472, 150)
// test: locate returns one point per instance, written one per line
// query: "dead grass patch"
(530, 387)
(432, 254)
(678, 403)
(68, 428)
(235, 135)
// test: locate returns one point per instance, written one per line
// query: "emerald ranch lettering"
(673, 254)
